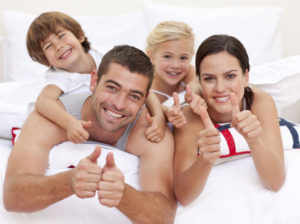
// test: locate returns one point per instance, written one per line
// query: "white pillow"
(256, 27)
(16, 102)
(105, 31)
(233, 145)
(281, 79)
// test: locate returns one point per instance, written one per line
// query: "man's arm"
(26, 188)
(155, 203)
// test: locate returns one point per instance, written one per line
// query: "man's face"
(118, 97)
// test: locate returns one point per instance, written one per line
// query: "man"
(119, 92)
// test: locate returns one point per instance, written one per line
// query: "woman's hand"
(244, 122)
(208, 139)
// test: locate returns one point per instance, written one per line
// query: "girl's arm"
(47, 106)
(193, 81)
(190, 169)
(193, 91)
(264, 139)
(155, 131)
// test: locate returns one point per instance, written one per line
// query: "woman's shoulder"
(260, 94)
(262, 100)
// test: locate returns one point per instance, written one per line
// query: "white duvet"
(233, 193)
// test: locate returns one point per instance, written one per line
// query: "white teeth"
(222, 99)
(65, 53)
(173, 73)
(113, 114)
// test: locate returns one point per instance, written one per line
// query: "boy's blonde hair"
(46, 24)
(169, 30)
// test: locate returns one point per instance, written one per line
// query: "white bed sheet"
(233, 193)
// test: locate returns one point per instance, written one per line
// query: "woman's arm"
(48, 107)
(264, 139)
(190, 169)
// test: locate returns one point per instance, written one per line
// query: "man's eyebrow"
(117, 84)
(138, 92)
(112, 81)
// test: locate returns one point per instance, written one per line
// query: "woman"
(222, 66)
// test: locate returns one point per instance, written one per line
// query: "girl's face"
(63, 50)
(221, 74)
(172, 60)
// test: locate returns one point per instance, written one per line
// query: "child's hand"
(208, 139)
(195, 101)
(175, 114)
(155, 131)
(76, 130)
(244, 122)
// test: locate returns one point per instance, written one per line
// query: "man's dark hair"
(130, 57)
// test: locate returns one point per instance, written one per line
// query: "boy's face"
(63, 50)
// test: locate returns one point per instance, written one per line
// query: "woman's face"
(172, 60)
(221, 74)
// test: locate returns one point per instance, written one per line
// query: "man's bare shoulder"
(39, 130)
(37, 137)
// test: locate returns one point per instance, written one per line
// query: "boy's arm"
(48, 107)
(155, 132)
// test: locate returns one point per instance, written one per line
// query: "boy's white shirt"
(71, 82)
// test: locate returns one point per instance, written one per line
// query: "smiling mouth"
(66, 54)
(223, 99)
(173, 74)
(113, 114)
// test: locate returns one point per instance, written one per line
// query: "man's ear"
(94, 79)
(147, 95)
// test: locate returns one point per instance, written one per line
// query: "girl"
(170, 47)
(222, 66)
(58, 41)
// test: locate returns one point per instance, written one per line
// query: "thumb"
(176, 100)
(149, 119)
(205, 118)
(95, 154)
(188, 93)
(234, 104)
(86, 124)
(110, 160)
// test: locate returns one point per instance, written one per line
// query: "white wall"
(290, 21)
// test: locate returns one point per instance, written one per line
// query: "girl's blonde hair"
(169, 30)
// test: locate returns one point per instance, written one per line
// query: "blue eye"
(208, 78)
(230, 76)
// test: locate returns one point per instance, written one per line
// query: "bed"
(233, 193)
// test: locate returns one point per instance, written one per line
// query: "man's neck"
(96, 133)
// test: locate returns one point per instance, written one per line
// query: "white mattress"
(233, 193)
